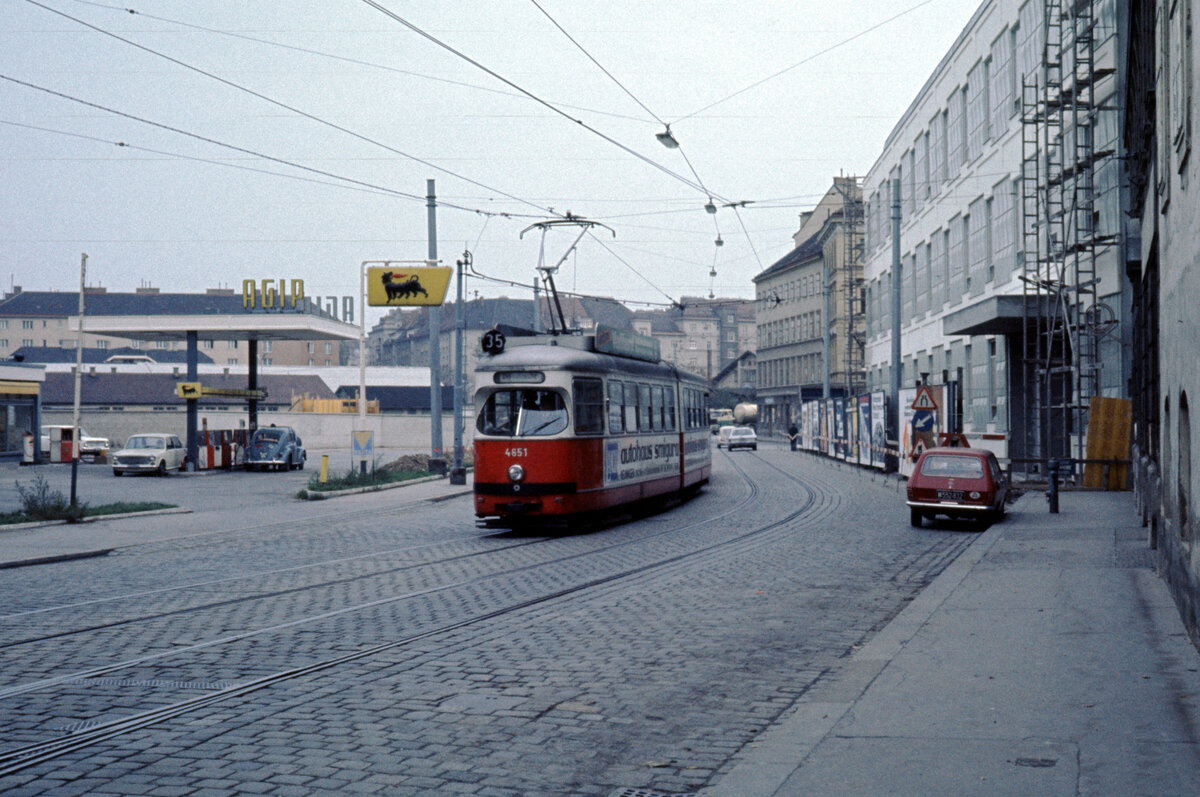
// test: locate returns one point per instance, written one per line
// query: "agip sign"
(401, 285)
(273, 294)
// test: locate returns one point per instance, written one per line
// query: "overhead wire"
(335, 57)
(285, 106)
(803, 61)
(545, 103)
(243, 150)
(718, 242)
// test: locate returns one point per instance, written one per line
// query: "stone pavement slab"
(1040, 662)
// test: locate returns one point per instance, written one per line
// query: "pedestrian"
(793, 435)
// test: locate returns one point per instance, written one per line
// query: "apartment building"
(808, 310)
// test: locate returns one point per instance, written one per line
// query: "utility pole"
(458, 473)
(78, 385)
(435, 345)
(894, 402)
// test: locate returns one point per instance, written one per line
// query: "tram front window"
(523, 413)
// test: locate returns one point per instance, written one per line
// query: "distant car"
(723, 435)
(742, 437)
(275, 448)
(957, 483)
(89, 446)
(150, 453)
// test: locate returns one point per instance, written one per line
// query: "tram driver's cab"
(524, 412)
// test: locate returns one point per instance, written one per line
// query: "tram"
(576, 425)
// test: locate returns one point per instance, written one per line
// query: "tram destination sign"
(627, 344)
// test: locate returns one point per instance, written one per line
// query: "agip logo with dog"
(400, 286)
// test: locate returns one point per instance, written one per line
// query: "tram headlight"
(516, 473)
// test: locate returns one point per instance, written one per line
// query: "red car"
(957, 483)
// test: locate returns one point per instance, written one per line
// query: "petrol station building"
(249, 326)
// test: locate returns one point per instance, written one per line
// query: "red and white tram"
(571, 424)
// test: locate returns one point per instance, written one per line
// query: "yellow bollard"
(324, 467)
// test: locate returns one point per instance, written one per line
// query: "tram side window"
(616, 402)
(643, 407)
(523, 413)
(670, 409)
(589, 406)
(657, 405)
(631, 407)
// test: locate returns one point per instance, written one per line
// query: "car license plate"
(949, 495)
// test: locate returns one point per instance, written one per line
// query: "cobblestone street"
(406, 652)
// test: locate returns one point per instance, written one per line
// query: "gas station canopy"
(231, 326)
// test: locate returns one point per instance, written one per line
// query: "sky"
(186, 145)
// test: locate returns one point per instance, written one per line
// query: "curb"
(37, 524)
(65, 557)
(769, 760)
(321, 495)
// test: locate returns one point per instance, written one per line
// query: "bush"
(41, 503)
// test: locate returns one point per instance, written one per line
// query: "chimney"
(94, 290)
(146, 290)
(219, 292)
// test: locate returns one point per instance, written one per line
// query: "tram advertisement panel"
(628, 460)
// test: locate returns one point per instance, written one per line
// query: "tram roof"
(575, 354)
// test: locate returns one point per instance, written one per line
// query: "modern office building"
(1005, 175)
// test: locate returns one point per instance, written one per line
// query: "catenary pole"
(78, 383)
(894, 402)
(435, 339)
(458, 474)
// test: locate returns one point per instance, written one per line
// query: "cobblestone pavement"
(638, 658)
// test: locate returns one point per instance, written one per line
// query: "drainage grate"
(212, 686)
(1036, 763)
(626, 792)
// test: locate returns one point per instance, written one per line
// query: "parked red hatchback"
(957, 483)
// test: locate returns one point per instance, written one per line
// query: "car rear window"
(952, 467)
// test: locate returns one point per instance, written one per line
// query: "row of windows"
(975, 113)
(803, 369)
(800, 288)
(806, 326)
(640, 407)
(975, 248)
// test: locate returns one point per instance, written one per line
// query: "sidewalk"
(1048, 659)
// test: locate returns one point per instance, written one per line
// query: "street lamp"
(666, 139)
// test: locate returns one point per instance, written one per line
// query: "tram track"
(26, 756)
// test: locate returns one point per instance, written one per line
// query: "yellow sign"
(194, 390)
(401, 285)
(266, 297)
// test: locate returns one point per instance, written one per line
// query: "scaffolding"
(854, 373)
(1064, 320)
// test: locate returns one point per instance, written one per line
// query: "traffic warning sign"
(924, 399)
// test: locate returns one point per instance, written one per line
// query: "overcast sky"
(294, 139)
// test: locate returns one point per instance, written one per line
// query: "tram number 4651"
(516, 452)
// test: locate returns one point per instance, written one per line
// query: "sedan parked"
(275, 448)
(150, 453)
(957, 483)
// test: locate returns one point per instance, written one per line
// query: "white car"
(88, 445)
(742, 437)
(150, 453)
